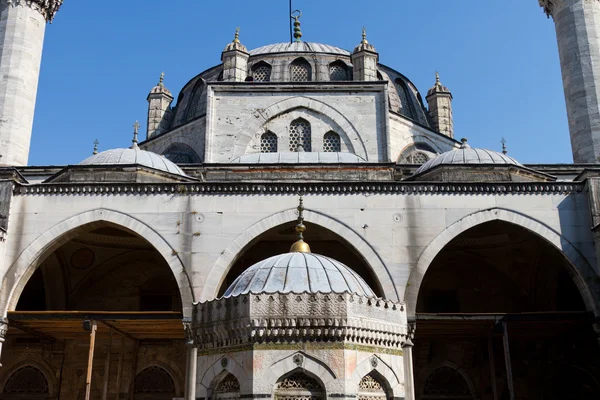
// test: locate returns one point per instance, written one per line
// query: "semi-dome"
(298, 47)
(298, 272)
(467, 155)
(133, 155)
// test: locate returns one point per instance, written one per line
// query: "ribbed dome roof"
(298, 47)
(299, 273)
(133, 155)
(467, 155)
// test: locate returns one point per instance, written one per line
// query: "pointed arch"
(31, 257)
(338, 71)
(300, 70)
(261, 72)
(224, 365)
(300, 135)
(219, 271)
(581, 271)
(299, 361)
(383, 370)
(454, 373)
(35, 369)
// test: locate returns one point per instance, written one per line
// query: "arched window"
(332, 142)
(228, 388)
(370, 388)
(268, 143)
(298, 386)
(154, 380)
(27, 380)
(416, 157)
(300, 135)
(261, 72)
(300, 71)
(181, 153)
(406, 107)
(338, 71)
(416, 154)
(446, 383)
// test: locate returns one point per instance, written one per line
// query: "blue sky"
(499, 58)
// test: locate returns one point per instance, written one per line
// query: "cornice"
(299, 317)
(275, 188)
(552, 6)
(48, 8)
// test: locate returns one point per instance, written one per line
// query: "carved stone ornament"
(374, 362)
(47, 8)
(224, 362)
(3, 329)
(298, 359)
(189, 333)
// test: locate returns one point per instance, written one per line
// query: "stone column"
(191, 363)
(22, 28)
(577, 24)
(409, 375)
(3, 331)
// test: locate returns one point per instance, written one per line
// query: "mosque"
(300, 223)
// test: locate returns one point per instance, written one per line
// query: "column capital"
(47, 8)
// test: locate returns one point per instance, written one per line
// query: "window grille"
(332, 142)
(27, 380)
(262, 73)
(447, 383)
(154, 380)
(370, 388)
(228, 388)
(338, 72)
(298, 386)
(417, 158)
(268, 143)
(300, 71)
(405, 105)
(300, 135)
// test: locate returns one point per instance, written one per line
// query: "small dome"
(298, 47)
(299, 273)
(301, 157)
(467, 155)
(131, 156)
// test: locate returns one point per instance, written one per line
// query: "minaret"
(439, 99)
(159, 109)
(235, 60)
(22, 28)
(364, 60)
(578, 34)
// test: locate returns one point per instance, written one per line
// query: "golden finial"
(364, 36)
(296, 14)
(300, 246)
(96, 143)
(236, 39)
(161, 81)
(136, 128)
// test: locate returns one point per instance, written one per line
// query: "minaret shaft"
(577, 25)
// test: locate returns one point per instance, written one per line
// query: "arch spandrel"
(581, 271)
(236, 248)
(32, 256)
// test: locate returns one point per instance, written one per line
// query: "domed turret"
(235, 60)
(159, 109)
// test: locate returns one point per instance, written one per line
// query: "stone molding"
(299, 317)
(48, 8)
(552, 6)
(237, 188)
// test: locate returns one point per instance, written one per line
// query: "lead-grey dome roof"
(299, 273)
(289, 157)
(467, 155)
(131, 156)
(298, 47)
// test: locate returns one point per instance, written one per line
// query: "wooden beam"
(509, 375)
(119, 331)
(31, 331)
(88, 379)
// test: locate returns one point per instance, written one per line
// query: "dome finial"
(161, 81)
(464, 144)
(504, 151)
(437, 78)
(236, 39)
(296, 14)
(364, 36)
(136, 129)
(300, 246)
(96, 143)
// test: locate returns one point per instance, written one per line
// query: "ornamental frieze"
(48, 8)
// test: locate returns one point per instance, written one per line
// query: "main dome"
(299, 273)
(133, 155)
(298, 47)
